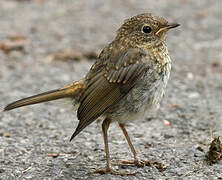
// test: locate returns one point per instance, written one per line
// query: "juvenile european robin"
(128, 78)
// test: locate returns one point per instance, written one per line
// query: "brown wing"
(107, 86)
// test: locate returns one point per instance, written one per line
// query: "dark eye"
(146, 29)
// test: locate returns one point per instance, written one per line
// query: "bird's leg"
(105, 127)
(140, 163)
(108, 169)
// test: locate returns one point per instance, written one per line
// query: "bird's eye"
(146, 29)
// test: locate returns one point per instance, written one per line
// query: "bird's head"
(144, 30)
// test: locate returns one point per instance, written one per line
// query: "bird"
(128, 78)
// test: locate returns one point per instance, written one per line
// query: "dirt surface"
(34, 140)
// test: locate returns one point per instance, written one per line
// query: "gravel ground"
(34, 140)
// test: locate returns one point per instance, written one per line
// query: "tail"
(72, 90)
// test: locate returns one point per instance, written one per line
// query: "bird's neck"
(159, 53)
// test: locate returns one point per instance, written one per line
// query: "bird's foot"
(142, 163)
(113, 172)
(137, 162)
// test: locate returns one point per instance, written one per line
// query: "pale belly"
(146, 95)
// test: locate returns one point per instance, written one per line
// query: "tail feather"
(72, 90)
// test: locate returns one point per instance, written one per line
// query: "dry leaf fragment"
(54, 155)
(72, 54)
(15, 43)
(215, 151)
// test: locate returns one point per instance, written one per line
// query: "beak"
(167, 27)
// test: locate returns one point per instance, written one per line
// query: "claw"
(138, 163)
(113, 172)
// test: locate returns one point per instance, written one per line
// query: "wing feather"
(109, 86)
